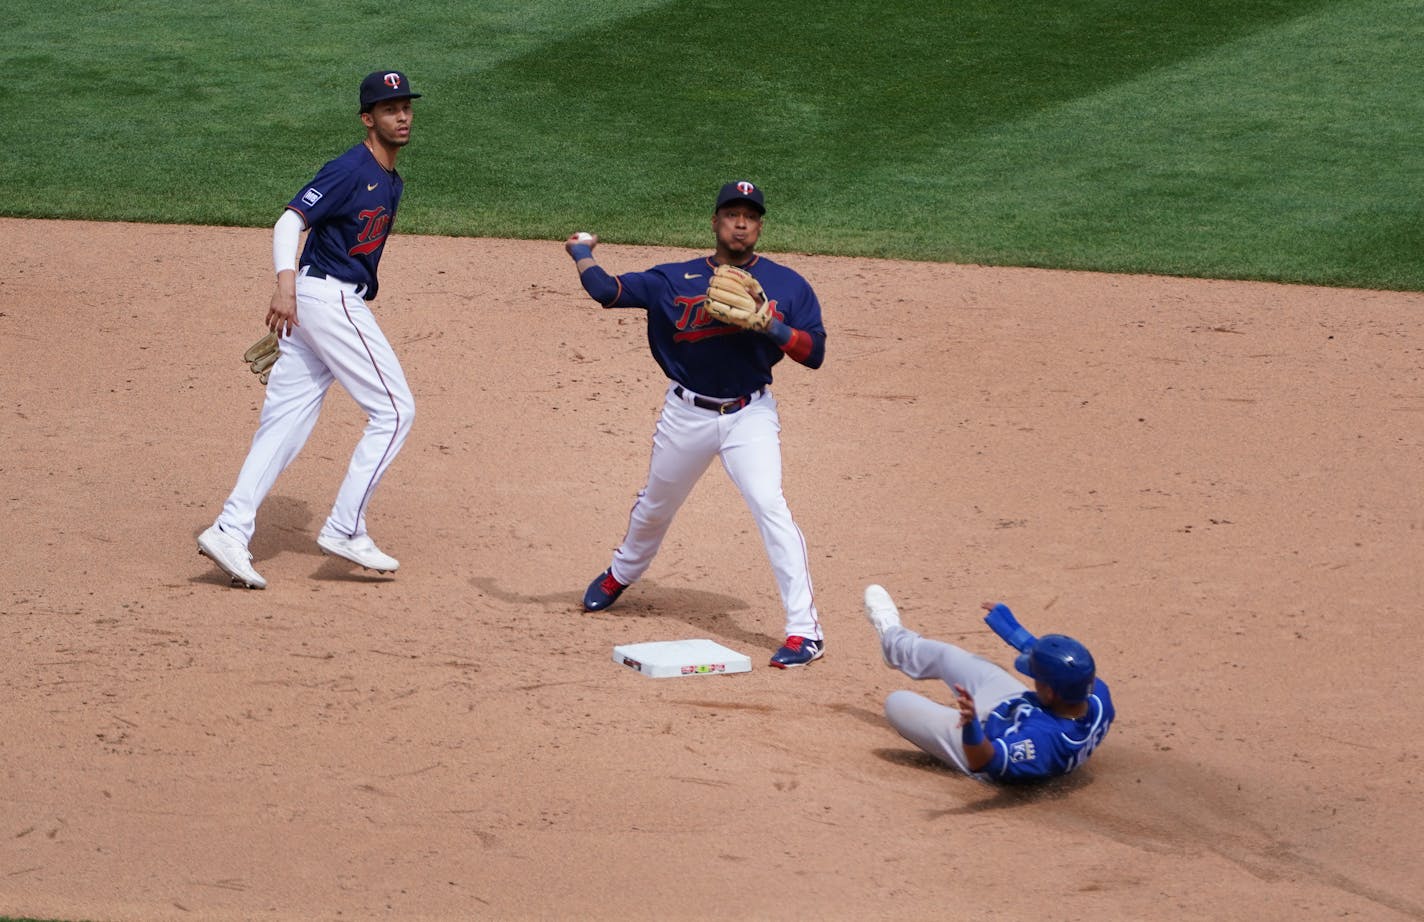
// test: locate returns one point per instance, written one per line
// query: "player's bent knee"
(768, 505)
(901, 703)
(396, 416)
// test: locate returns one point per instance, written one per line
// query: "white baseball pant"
(338, 340)
(748, 442)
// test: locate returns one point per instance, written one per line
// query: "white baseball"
(584, 237)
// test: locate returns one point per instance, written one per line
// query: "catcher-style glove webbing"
(735, 297)
(262, 355)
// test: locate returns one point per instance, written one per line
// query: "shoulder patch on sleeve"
(1022, 751)
(311, 197)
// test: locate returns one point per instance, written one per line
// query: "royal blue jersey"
(1031, 744)
(349, 208)
(702, 353)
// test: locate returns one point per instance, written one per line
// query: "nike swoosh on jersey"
(692, 275)
(371, 186)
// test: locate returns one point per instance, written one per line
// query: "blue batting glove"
(1007, 626)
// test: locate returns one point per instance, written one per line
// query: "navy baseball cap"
(1061, 663)
(741, 191)
(382, 85)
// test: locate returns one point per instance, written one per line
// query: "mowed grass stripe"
(821, 105)
(170, 111)
(1254, 138)
(1267, 158)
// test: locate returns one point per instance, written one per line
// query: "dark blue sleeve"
(600, 286)
(818, 352)
(325, 194)
(806, 317)
(639, 289)
(631, 289)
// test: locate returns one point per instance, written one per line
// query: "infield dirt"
(1216, 485)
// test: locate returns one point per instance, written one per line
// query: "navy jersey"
(1031, 744)
(349, 208)
(695, 349)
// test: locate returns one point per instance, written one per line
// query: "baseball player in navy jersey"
(718, 402)
(320, 309)
(997, 729)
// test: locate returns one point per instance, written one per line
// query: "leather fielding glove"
(735, 297)
(262, 355)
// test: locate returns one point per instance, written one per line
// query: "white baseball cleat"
(882, 614)
(880, 609)
(360, 550)
(231, 556)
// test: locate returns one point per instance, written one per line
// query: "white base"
(663, 658)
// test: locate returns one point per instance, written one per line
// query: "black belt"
(721, 406)
(312, 272)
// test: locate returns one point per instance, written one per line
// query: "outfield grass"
(1269, 139)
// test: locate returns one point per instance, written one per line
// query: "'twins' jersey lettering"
(694, 323)
(373, 233)
(349, 208)
(698, 351)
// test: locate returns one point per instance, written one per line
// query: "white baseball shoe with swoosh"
(360, 550)
(231, 556)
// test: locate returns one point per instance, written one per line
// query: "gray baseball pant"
(932, 726)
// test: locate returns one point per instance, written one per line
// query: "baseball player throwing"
(716, 326)
(997, 730)
(320, 308)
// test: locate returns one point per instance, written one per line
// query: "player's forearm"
(600, 286)
(798, 344)
(979, 756)
(286, 234)
(978, 751)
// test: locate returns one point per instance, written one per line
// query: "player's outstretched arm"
(1007, 626)
(600, 286)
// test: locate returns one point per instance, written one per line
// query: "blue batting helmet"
(1061, 663)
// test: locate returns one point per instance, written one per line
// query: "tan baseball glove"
(262, 355)
(735, 297)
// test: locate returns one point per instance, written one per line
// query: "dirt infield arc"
(1216, 485)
